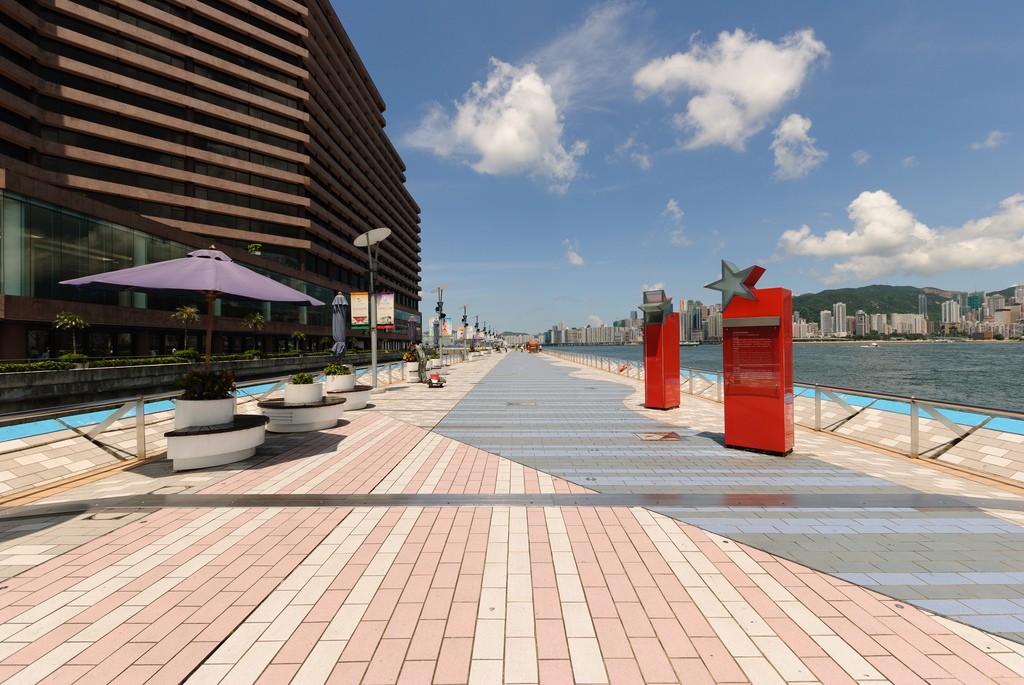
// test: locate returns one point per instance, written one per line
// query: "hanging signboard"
(360, 310)
(385, 310)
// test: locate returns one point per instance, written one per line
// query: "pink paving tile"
(551, 640)
(364, 641)
(810, 599)
(692, 672)
(543, 574)
(462, 620)
(438, 603)
(970, 672)
(426, 640)
(654, 603)
(624, 672)
(416, 589)
(399, 573)
(168, 646)
(867, 621)
(621, 588)
(555, 671)
(112, 666)
(387, 661)
(854, 636)
(225, 624)
(635, 619)
(719, 662)
(795, 637)
(653, 661)
(417, 673)
(673, 638)
(134, 675)
(300, 643)
(453, 661)
(348, 672)
(692, 619)
(383, 604)
(67, 675)
(546, 603)
(33, 651)
(468, 587)
(895, 670)
(275, 674)
(160, 628)
(761, 602)
(600, 603)
(403, 621)
(828, 671)
(612, 638)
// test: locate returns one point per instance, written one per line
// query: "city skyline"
(568, 155)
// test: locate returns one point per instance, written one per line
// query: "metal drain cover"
(670, 436)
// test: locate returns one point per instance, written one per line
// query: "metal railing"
(829, 408)
(94, 420)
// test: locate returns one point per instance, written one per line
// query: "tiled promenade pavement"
(382, 551)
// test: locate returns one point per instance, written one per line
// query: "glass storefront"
(42, 244)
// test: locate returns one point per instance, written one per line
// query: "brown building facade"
(134, 131)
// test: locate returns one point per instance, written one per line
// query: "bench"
(298, 418)
(200, 447)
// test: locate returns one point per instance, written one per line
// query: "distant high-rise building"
(950, 311)
(839, 327)
(922, 304)
(863, 324)
(825, 318)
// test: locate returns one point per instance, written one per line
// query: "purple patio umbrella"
(210, 272)
(339, 317)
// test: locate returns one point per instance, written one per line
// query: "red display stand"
(661, 363)
(758, 369)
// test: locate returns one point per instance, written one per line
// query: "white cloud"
(909, 162)
(795, 154)
(886, 239)
(676, 233)
(595, 320)
(509, 124)
(994, 140)
(861, 157)
(741, 82)
(659, 285)
(635, 152)
(572, 253)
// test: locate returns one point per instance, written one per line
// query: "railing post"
(915, 436)
(719, 384)
(140, 428)
(817, 408)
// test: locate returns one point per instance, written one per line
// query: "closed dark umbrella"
(339, 318)
(210, 272)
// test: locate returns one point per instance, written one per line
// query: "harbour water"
(978, 374)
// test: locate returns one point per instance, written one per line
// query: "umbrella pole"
(210, 297)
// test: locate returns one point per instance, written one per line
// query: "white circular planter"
(339, 383)
(304, 393)
(189, 413)
(412, 371)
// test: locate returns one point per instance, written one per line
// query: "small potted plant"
(302, 389)
(338, 378)
(412, 365)
(254, 249)
(207, 399)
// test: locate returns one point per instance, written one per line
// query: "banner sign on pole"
(385, 310)
(360, 310)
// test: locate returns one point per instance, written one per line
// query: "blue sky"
(568, 155)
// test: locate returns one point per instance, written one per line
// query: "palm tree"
(69, 321)
(300, 338)
(186, 314)
(254, 322)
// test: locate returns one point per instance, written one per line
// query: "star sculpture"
(736, 282)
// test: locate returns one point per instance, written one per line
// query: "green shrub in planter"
(37, 366)
(301, 379)
(73, 357)
(207, 385)
(337, 370)
(253, 354)
(190, 355)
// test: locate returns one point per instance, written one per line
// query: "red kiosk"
(661, 351)
(757, 352)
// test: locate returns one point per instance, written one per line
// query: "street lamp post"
(440, 314)
(368, 240)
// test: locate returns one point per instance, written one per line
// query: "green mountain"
(876, 299)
